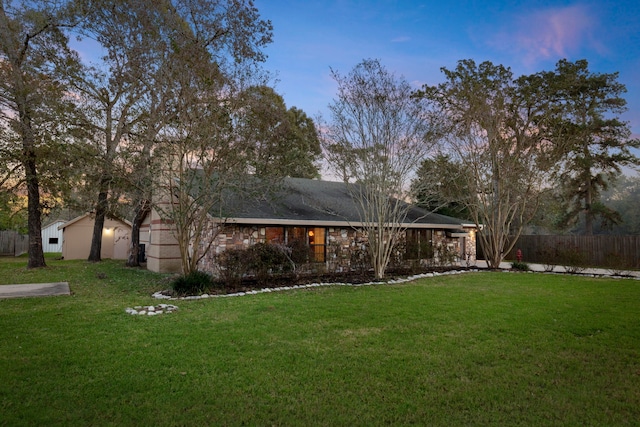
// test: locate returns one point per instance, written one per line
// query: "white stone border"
(160, 295)
(168, 308)
(151, 310)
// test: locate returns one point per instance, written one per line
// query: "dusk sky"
(414, 39)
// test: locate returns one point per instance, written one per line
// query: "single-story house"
(77, 235)
(52, 236)
(322, 214)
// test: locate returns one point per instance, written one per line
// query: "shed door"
(121, 243)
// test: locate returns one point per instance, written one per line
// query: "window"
(313, 238)
(419, 244)
(297, 234)
(317, 243)
(274, 235)
(53, 240)
(298, 242)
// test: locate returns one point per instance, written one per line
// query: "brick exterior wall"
(163, 253)
(341, 243)
(229, 237)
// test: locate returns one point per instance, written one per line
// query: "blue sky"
(414, 39)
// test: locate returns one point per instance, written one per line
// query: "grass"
(473, 349)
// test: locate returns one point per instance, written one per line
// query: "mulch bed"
(249, 284)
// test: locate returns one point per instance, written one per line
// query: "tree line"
(483, 145)
(179, 88)
(177, 85)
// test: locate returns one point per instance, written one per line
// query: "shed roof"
(89, 214)
(53, 224)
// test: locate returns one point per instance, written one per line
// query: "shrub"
(520, 266)
(359, 258)
(426, 250)
(232, 265)
(571, 258)
(616, 264)
(261, 260)
(300, 252)
(265, 259)
(548, 258)
(398, 255)
(445, 255)
(194, 283)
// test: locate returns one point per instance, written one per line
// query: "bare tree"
(376, 140)
(201, 152)
(154, 51)
(202, 161)
(497, 142)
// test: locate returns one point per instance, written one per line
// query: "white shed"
(52, 237)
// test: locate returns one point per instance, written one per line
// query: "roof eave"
(325, 223)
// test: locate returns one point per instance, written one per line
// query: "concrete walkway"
(557, 269)
(34, 290)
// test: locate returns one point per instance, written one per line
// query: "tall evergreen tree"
(594, 141)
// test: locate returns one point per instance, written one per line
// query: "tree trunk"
(495, 257)
(491, 248)
(100, 214)
(35, 251)
(588, 214)
(142, 209)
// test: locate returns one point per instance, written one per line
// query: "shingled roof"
(312, 202)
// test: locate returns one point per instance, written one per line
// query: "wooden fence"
(597, 251)
(12, 243)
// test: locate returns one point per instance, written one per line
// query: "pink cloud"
(549, 34)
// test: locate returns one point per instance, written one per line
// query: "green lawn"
(472, 349)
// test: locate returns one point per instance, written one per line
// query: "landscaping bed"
(250, 284)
